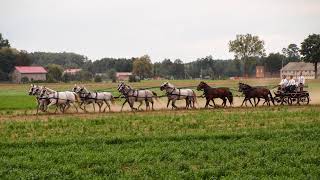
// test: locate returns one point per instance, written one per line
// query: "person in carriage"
(283, 83)
(291, 86)
(300, 82)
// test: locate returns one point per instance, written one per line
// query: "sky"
(184, 29)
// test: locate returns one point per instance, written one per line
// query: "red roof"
(123, 74)
(30, 69)
(72, 70)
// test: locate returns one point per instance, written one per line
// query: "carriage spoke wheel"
(304, 100)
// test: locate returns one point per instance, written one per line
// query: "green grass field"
(276, 142)
(15, 96)
(233, 143)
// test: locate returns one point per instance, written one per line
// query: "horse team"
(81, 97)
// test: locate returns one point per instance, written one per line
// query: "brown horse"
(212, 93)
(255, 92)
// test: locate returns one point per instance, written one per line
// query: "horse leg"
(152, 105)
(168, 102)
(250, 102)
(123, 104)
(174, 104)
(140, 105)
(104, 110)
(214, 104)
(207, 103)
(256, 104)
(244, 100)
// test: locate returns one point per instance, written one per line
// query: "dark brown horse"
(255, 92)
(212, 93)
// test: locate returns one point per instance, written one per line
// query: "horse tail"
(112, 99)
(230, 98)
(272, 99)
(155, 95)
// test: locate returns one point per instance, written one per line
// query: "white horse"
(135, 95)
(60, 98)
(88, 97)
(174, 94)
(35, 91)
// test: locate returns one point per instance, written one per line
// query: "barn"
(33, 73)
(294, 69)
(123, 76)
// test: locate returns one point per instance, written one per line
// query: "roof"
(31, 69)
(123, 73)
(299, 66)
(72, 70)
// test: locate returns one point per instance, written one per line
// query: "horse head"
(32, 87)
(164, 86)
(202, 85)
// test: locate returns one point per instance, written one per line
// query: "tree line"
(248, 50)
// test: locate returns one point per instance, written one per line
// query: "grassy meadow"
(15, 96)
(246, 143)
(232, 143)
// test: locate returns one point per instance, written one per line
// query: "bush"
(97, 79)
(24, 80)
(134, 78)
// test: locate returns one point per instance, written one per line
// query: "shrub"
(24, 80)
(97, 78)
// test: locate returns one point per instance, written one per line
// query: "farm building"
(123, 76)
(260, 72)
(33, 73)
(294, 69)
(71, 71)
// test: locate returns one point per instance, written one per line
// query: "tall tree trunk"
(245, 68)
(316, 70)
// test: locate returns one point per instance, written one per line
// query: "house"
(33, 73)
(71, 71)
(294, 69)
(123, 76)
(260, 73)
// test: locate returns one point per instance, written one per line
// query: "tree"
(142, 67)
(112, 75)
(310, 50)
(274, 62)
(292, 52)
(54, 72)
(246, 46)
(4, 42)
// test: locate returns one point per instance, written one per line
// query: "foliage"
(274, 62)
(310, 50)
(64, 59)
(292, 52)
(97, 78)
(142, 67)
(112, 75)
(4, 42)
(134, 78)
(54, 72)
(246, 46)
(24, 79)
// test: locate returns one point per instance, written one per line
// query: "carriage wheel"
(304, 100)
(286, 100)
(277, 100)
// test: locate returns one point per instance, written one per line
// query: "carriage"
(291, 97)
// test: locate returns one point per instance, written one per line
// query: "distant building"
(123, 76)
(71, 71)
(33, 73)
(294, 69)
(260, 72)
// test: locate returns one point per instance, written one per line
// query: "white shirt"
(300, 80)
(284, 82)
(291, 82)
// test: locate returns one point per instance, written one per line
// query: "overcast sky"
(185, 29)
